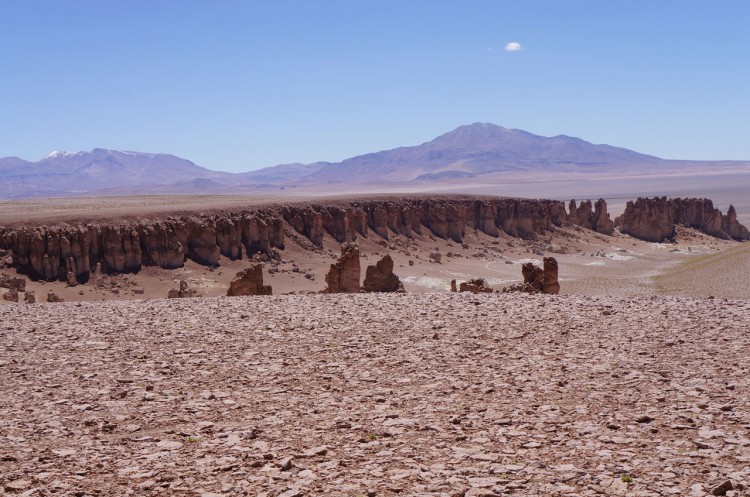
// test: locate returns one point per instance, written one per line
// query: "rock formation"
(249, 282)
(537, 279)
(343, 277)
(595, 218)
(454, 288)
(654, 219)
(550, 284)
(533, 275)
(183, 293)
(11, 295)
(30, 297)
(71, 253)
(15, 283)
(53, 253)
(380, 277)
(52, 297)
(475, 285)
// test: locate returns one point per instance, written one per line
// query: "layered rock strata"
(380, 277)
(654, 219)
(249, 282)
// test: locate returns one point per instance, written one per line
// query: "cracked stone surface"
(416, 394)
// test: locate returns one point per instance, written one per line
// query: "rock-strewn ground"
(416, 394)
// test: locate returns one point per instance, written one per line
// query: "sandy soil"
(439, 394)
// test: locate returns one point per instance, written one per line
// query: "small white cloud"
(513, 46)
(489, 49)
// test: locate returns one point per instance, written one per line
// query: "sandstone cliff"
(654, 219)
(72, 251)
(52, 253)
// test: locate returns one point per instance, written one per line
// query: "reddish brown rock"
(16, 283)
(454, 288)
(654, 219)
(123, 246)
(380, 277)
(11, 295)
(533, 275)
(30, 297)
(249, 282)
(475, 285)
(550, 284)
(343, 277)
(183, 293)
(53, 297)
(537, 279)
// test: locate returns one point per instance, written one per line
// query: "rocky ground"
(377, 395)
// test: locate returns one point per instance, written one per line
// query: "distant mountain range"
(469, 154)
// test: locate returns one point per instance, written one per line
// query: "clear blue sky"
(239, 85)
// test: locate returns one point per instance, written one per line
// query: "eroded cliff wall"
(52, 252)
(654, 219)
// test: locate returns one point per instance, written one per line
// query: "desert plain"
(631, 381)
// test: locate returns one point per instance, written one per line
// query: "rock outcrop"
(71, 252)
(380, 277)
(594, 218)
(654, 219)
(13, 282)
(343, 277)
(183, 293)
(11, 295)
(475, 285)
(30, 297)
(538, 279)
(249, 282)
(53, 297)
(550, 283)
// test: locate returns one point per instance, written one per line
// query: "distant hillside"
(469, 154)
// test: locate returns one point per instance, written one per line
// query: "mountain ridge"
(468, 153)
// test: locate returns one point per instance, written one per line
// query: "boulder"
(249, 282)
(183, 293)
(52, 297)
(11, 295)
(380, 277)
(30, 297)
(343, 277)
(16, 282)
(454, 288)
(475, 285)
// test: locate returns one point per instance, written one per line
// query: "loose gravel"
(377, 395)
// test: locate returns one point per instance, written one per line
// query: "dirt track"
(433, 394)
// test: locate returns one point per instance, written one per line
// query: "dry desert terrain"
(632, 381)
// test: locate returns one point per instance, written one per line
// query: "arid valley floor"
(632, 381)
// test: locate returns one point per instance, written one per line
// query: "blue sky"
(239, 85)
